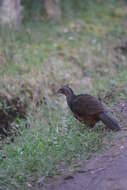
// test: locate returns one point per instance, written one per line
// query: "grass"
(45, 147)
(78, 51)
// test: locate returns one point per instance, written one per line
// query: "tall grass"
(54, 140)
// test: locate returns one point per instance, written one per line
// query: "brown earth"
(102, 172)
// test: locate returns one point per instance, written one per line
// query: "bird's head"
(66, 90)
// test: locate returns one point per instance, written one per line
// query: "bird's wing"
(86, 104)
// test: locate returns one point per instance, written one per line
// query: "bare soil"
(106, 171)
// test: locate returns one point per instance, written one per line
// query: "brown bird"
(88, 109)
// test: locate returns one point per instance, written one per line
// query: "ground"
(107, 171)
(104, 171)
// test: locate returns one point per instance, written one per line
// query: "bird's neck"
(70, 96)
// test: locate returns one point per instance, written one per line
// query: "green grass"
(44, 147)
(78, 51)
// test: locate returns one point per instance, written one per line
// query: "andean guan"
(88, 109)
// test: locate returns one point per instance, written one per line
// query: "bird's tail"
(109, 121)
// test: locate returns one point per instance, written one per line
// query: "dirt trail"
(102, 172)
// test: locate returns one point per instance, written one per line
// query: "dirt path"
(102, 172)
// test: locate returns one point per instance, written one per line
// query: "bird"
(88, 109)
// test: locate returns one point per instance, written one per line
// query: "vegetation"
(43, 56)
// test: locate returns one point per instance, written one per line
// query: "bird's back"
(85, 104)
